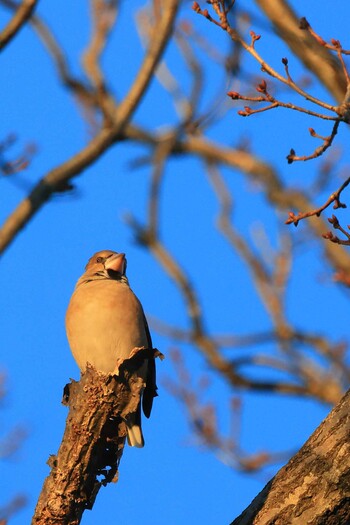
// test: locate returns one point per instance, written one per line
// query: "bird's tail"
(135, 436)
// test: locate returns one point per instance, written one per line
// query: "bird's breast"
(104, 324)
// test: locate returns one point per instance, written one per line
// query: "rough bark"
(314, 486)
(93, 442)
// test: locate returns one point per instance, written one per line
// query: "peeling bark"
(93, 442)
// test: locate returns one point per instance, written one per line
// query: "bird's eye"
(99, 259)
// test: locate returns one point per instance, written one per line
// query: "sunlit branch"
(199, 338)
(22, 14)
(327, 142)
(103, 19)
(274, 103)
(334, 198)
(257, 170)
(315, 57)
(102, 141)
(334, 238)
(250, 48)
(334, 46)
(342, 112)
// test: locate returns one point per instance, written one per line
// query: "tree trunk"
(314, 487)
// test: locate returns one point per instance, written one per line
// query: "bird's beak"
(117, 263)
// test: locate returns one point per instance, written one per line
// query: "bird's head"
(105, 264)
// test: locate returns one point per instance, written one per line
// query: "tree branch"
(313, 487)
(22, 14)
(314, 56)
(93, 442)
(102, 141)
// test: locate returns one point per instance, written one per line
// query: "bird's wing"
(151, 387)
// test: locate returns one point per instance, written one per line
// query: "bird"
(105, 322)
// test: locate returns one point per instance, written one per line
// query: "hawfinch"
(105, 323)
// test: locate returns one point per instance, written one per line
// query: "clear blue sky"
(171, 480)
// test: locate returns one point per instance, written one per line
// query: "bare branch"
(315, 57)
(334, 238)
(327, 142)
(208, 347)
(104, 16)
(342, 112)
(22, 14)
(277, 193)
(274, 103)
(335, 197)
(265, 67)
(102, 141)
(335, 46)
(160, 36)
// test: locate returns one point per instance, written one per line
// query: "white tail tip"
(135, 437)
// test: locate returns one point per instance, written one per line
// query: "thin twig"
(274, 104)
(304, 24)
(334, 238)
(335, 197)
(327, 142)
(223, 23)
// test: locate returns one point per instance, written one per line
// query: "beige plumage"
(105, 322)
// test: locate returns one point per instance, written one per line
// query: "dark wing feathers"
(151, 388)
